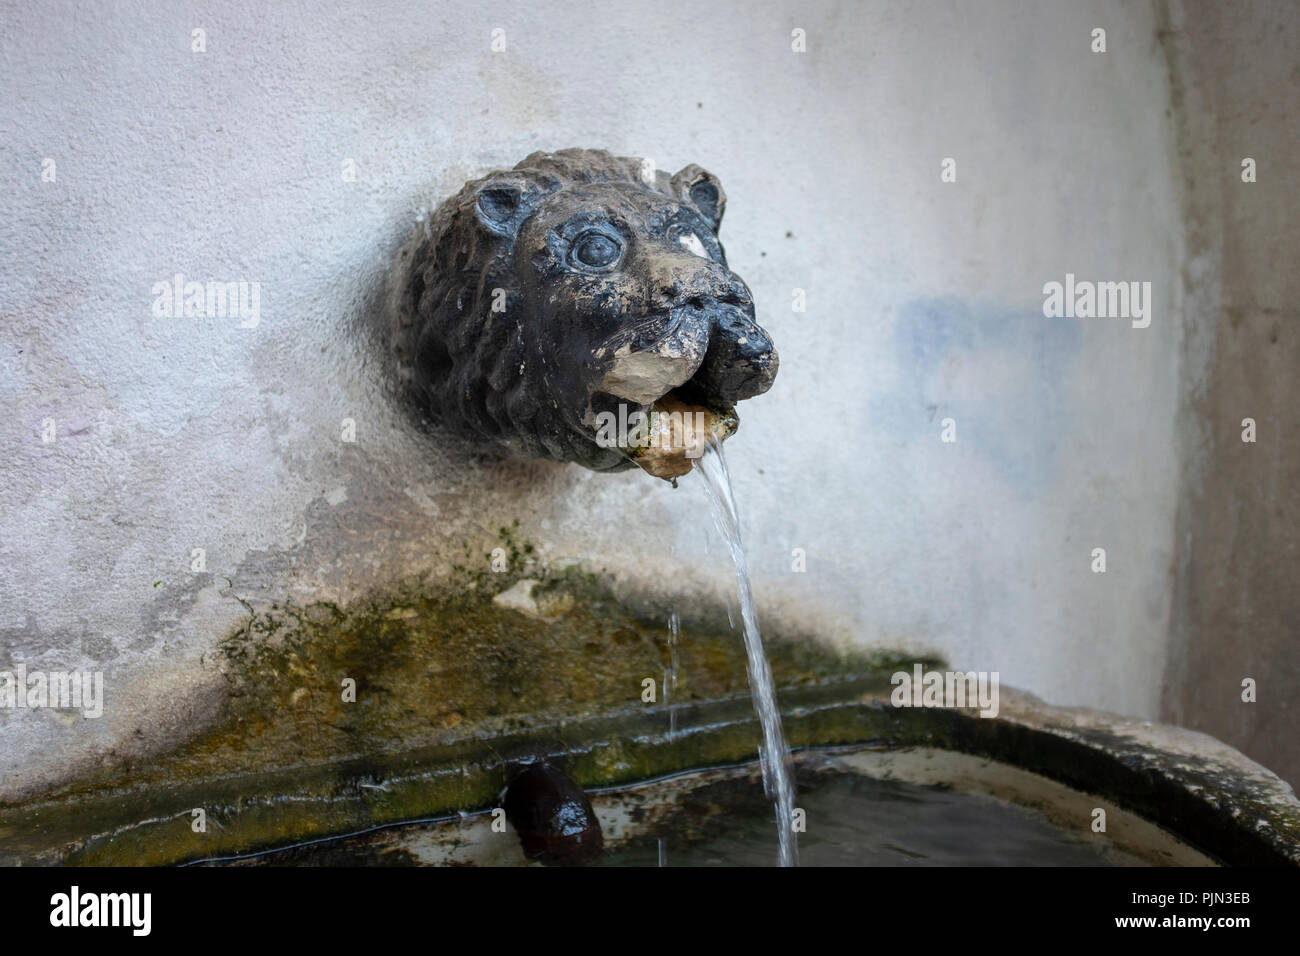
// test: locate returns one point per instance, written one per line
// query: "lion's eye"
(596, 250)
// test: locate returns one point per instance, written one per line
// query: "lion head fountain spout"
(579, 307)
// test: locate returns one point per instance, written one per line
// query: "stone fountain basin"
(862, 806)
(1171, 796)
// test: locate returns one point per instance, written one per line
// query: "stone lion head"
(576, 282)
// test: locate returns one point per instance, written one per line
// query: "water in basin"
(855, 817)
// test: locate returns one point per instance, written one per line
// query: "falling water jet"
(670, 675)
(774, 752)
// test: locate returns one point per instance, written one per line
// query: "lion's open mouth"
(677, 390)
(679, 433)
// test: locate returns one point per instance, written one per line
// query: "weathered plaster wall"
(1236, 68)
(924, 302)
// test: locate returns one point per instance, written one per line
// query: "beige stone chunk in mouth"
(679, 433)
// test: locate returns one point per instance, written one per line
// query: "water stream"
(670, 673)
(774, 751)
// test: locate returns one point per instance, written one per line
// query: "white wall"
(924, 302)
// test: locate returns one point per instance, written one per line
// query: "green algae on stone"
(432, 667)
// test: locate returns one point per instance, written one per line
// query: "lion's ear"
(703, 191)
(502, 206)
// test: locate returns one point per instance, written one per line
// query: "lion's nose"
(741, 361)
